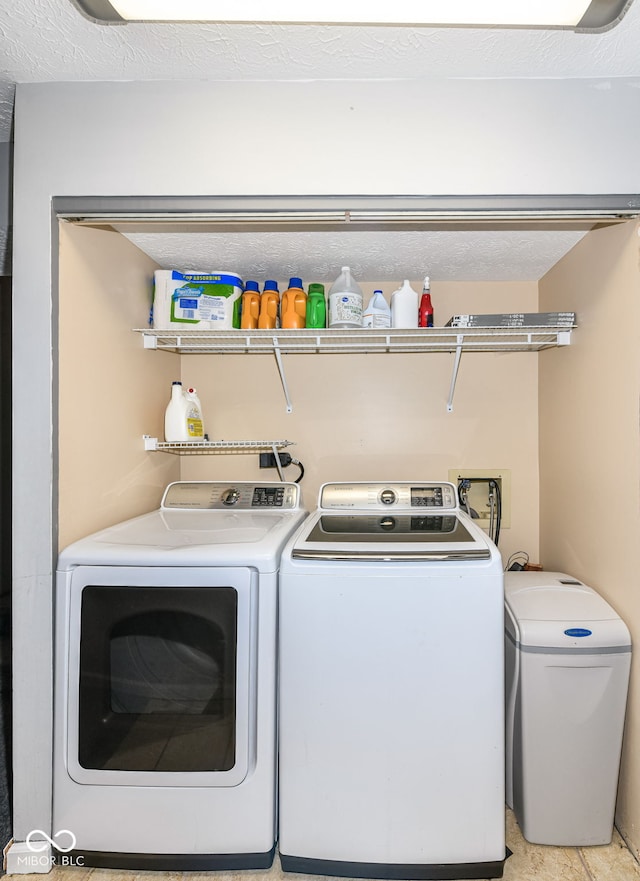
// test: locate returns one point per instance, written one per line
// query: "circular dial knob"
(230, 497)
(387, 497)
(388, 523)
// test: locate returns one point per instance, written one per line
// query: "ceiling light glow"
(576, 14)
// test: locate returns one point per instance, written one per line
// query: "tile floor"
(534, 862)
(529, 862)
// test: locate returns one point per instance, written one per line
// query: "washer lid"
(364, 535)
(551, 610)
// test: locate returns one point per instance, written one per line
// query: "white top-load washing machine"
(391, 688)
(165, 682)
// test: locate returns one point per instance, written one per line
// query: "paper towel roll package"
(202, 300)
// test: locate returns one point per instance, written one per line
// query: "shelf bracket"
(274, 450)
(283, 378)
(454, 375)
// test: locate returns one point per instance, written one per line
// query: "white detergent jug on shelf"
(345, 301)
(377, 313)
(404, 306)
(182, 418)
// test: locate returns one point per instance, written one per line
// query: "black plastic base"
(170, 862)
(394, 871)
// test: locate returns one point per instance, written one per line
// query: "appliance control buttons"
(230, 497)
(268, 497)
(447, 497)
(388, 497)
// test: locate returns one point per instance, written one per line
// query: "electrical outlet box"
(478, 495)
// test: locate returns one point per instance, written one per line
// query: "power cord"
(300, 466)
(517, 561)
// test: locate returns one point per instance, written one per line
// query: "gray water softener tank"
(567, 660)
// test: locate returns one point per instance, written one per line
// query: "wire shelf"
(221, 447)
(388, 340)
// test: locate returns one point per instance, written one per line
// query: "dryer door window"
(158, 679)
(160, 682)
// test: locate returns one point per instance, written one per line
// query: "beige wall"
(111, 391)
(590, 449)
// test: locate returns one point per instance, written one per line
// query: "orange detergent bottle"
(294, 305)
(250, 306)
(269, 303)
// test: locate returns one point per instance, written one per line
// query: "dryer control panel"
(205, 495)
(386, 496)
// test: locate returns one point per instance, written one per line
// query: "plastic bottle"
(175, 428)
(250, 306)
(345, 301)
(404, 306)
(269, 304)
(293, 311)
(192, 396)
(182, 418)
(377, 313)
(316, 306)
(425, 311)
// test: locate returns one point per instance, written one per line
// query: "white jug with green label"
(345, 301)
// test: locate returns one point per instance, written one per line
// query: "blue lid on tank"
(295, 282)
(252, 286)
(270, 285)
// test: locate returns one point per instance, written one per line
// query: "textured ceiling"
(389, 256)
(50, 41)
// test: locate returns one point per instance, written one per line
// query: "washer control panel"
(389, 496)
(209, 495)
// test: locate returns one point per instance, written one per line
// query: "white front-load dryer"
(165, 682)
(391, 737)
